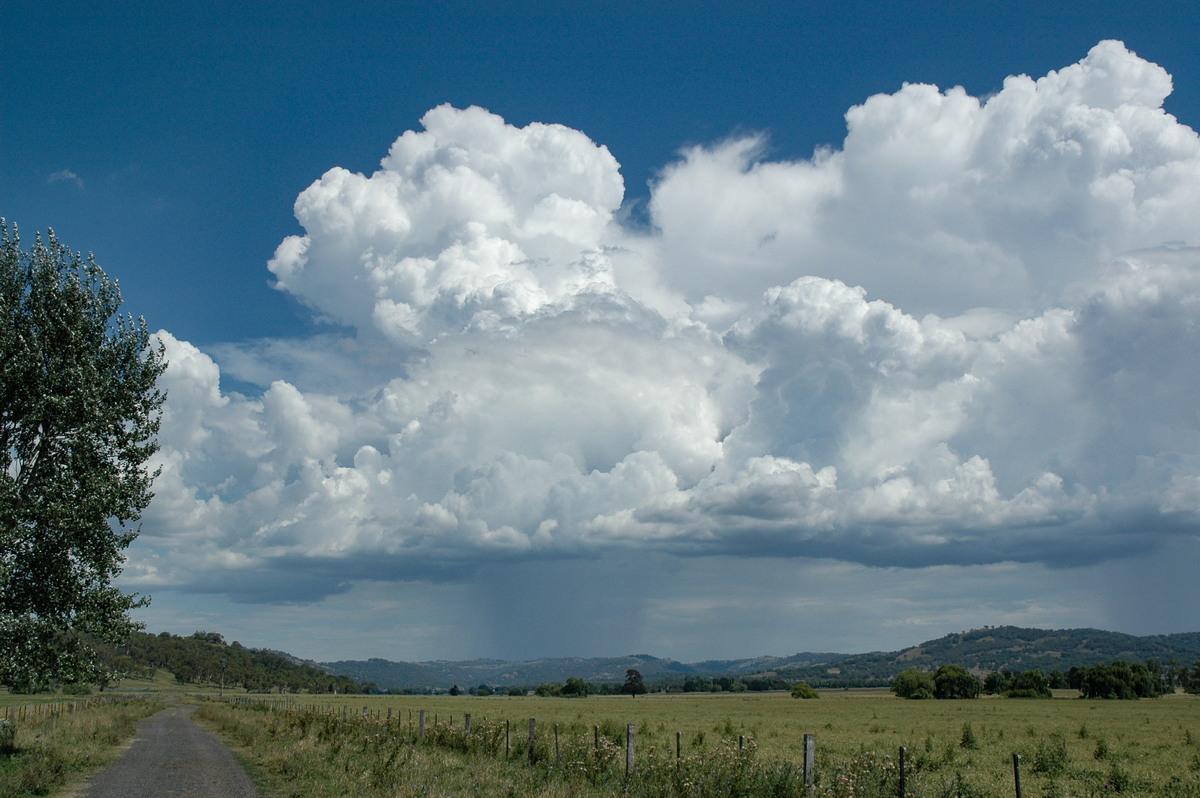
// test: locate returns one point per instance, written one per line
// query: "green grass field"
(1068, 746)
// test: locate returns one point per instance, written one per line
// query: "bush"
(968, 740)
(804, 691)
(8, 737)
(954, 681)
(1051, 757)
(911, 682)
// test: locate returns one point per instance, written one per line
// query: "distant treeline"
(1117, 679)
(205, 659)
(997, 649)
(1114, 680)
(575, 687)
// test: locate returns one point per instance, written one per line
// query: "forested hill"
(205, 659)
(982, 650)
(1000, 648)
(494, 673)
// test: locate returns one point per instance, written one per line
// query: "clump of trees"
(730, 684)
(1189, 679)
(947, 682)
(1121, 680)
(913, 684)
(1021, 684)
(205, 659)
(1117, 680)
(573, 687)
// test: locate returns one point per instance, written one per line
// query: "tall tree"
(79, 415)
(633, 683)
(955, 681)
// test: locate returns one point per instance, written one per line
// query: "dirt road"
(172, 757)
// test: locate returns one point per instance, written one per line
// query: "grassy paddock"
(56, 744)
(1068, 746)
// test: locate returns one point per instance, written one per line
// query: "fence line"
(419, 732)
(15, 713)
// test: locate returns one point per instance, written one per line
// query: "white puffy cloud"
(965, 337)
(941, 202)
(471, 222)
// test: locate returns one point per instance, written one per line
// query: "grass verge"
(53, 750)
(1068, 747)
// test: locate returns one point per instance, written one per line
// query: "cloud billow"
(966, 336)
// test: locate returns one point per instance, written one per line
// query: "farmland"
(1068, 746)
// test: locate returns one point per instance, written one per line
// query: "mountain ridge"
(983, 650)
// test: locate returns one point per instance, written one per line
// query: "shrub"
(8, 737)
(1050, 757)
(968, 740)
(804, 691)
(954, 681)
(909, 683)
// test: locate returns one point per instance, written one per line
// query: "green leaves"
(79, 412)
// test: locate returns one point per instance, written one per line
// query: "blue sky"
(708, 337)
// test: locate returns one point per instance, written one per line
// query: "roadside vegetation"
(744, 745)
(48, 744)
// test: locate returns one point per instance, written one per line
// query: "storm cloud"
(964, 338)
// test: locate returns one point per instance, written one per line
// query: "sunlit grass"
(53, 749)
(1067, 746)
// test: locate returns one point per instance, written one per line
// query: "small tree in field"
(803, 690)
(79, 412)
(954, 681)
(913, 684)
(574, 687)
(634, 685)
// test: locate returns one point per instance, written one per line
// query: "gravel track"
(172, 757)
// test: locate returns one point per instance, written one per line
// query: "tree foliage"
(955, 681)
(574, 687)
(203, 658)
(79, 412)
(913, 684)
(634, 685)
(1121, 680)
(803, 690)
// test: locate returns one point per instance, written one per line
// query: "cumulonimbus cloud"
(967, 335)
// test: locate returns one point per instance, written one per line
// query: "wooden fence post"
(596, 738)
(421, 727)
(678, 746)
(467, 723)
(507, 749)
(532, 740)
(557, 756)
(810, 755)
(629, 762)
(902, 786)
(1017, 773)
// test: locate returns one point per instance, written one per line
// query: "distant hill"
(1005, 648)
(204, 658)
(501, 673)
(981, 650)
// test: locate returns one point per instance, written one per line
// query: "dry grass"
(53, 749)
(1068, 746)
